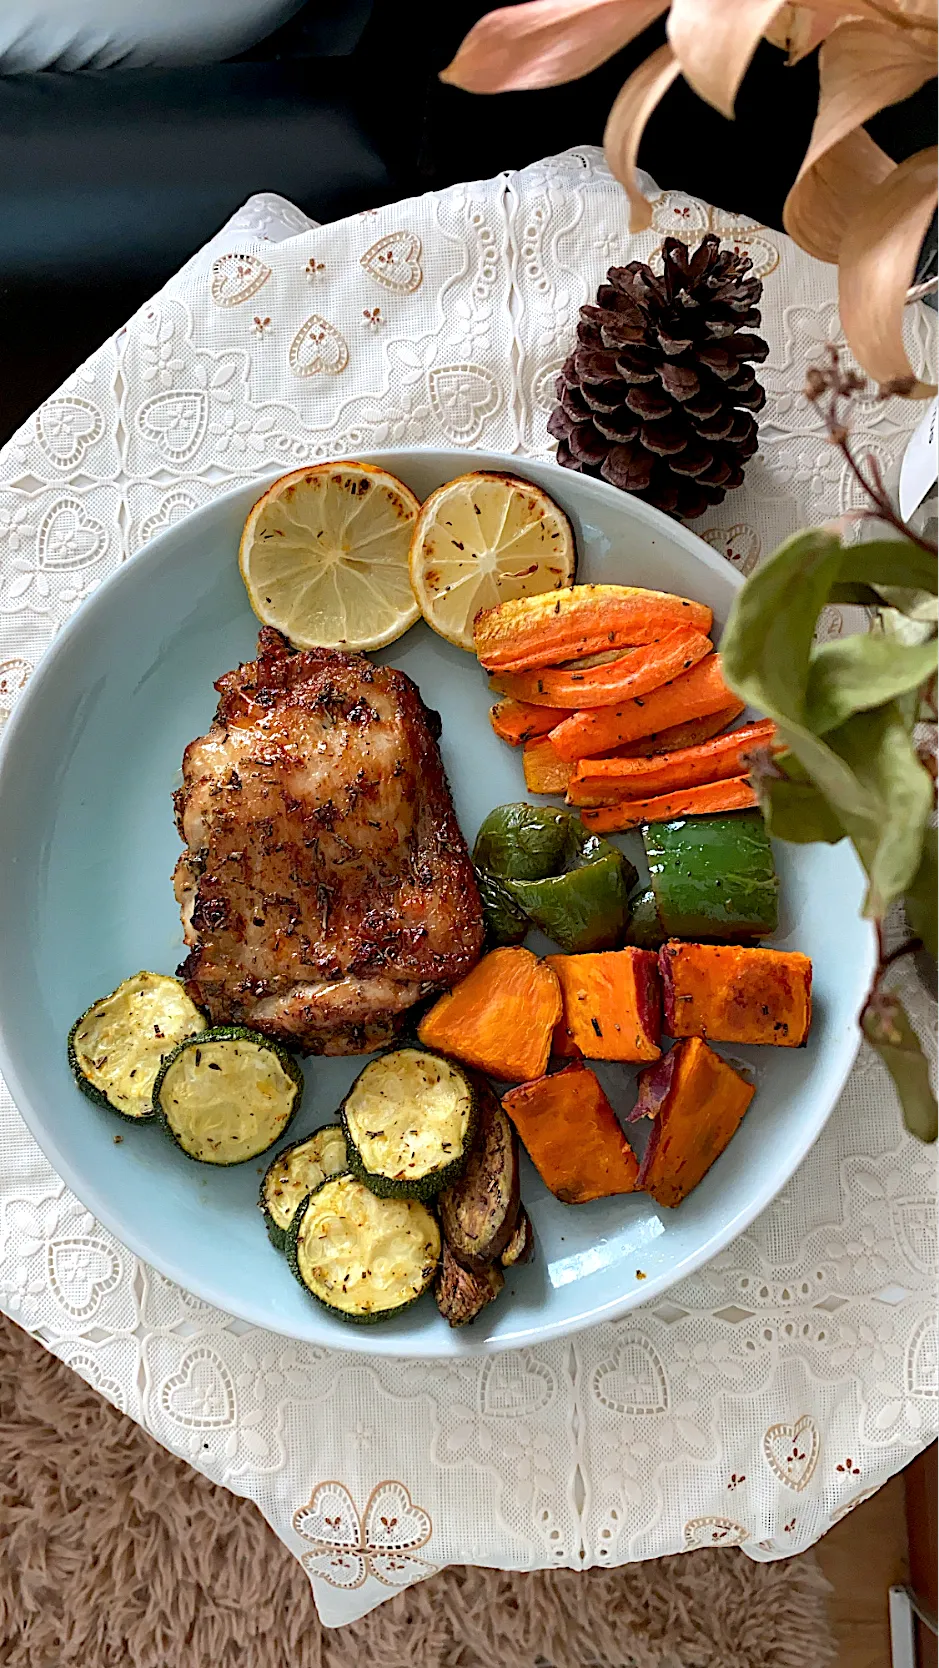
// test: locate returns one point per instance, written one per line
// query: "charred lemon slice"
(324, 556)
(485, 539)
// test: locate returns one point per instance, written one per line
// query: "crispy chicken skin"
(326, 886)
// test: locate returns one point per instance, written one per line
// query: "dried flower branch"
(835, 388)
(850, 203)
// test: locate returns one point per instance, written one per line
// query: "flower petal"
(715, 41)
(546, 42)
(821, 204)
(878, 259)
(863, 67)
(635, 102)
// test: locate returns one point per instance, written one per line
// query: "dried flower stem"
(842, 387)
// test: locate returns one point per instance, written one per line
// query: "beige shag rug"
(113, 1554)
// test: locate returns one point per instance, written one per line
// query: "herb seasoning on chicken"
(326, 887)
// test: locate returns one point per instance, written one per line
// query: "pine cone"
(657, 395)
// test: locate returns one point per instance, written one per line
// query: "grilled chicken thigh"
(326, 886)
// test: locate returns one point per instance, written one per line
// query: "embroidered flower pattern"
(347, 1549)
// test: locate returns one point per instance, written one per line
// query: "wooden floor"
(862, 1557)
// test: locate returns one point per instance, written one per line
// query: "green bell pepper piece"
(645, 928)
(522, 842)
(571, 884)
(506, 923)
(713, 877)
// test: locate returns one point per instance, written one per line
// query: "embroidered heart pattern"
(65, 428)
(175, 507)
(791, 1451)
(633, 1379)
(318, 347)
(713, 1531)
(922, 1360)
(462, 397)
(915, 1229)
(681, 216)
(347, 1549)
(739, 544)
(174, 423)
(395, 262)
(69, 537)
(201, 1393)
(89, 1369)
(236, 278)
(748, 237)
(515, 1385)
(80, 1273)
(14, 675)
(391, 1520)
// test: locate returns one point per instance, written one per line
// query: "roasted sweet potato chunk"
(612, 1005)
(500, 1018)
(697, 1101)
(570, 1132)
(735, 995)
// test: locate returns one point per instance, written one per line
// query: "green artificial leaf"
(862, 596)
(792, 805)
(866, 767)
(853, 674)
(882, 562)
(920, 898)
(879, 751)
(890, 1034)
(766, 647)
(916, 605)
(797, 812)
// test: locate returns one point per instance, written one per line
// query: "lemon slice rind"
(324, 556)
(483, 539)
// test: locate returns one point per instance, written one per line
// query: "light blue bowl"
(89, 762)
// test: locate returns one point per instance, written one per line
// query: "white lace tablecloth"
(764, 1398)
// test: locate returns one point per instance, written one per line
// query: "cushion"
(103, 34)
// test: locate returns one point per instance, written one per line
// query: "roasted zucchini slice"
(363, 1257)
(479, 1211)
(227, 1095)
(116, 1048)
(409, 1119)
(297, 1171)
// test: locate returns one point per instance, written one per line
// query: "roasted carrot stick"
(735, 794)
(689, 734)
(691, 695)
(544, 771)
(564, 625)
(515, 722)
(634, 673)
(604, 781)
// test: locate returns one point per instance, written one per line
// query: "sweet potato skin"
(572, 1136)
(612, 1005)
(500, 1018)
(737, 794)
(693, 694)
(587, 619)
(736, 995)
(699, 1111)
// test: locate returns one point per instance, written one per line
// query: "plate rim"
(442, 1343)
